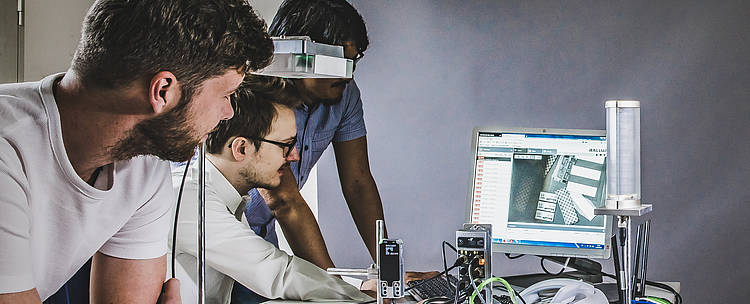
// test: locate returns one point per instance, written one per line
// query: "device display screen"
(471, 242)
(389, 262)
(541, 190)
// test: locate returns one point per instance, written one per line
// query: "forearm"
(23, 297)
(303, 233)
(366, 207)
(115, 280)
(233, 249)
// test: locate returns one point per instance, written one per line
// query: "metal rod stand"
(623, 222)
(380, 233)
(202, 223)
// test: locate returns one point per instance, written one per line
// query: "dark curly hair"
(325, 21)
(126, 40)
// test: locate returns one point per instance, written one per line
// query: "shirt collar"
(224, 189)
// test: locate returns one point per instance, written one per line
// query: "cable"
(176, 214)
(436, 300)
(658, 300)
(677, 296)
(445, 263)
(651, 300)
(513, 257)
(445, 268)
(462, 296)
(555, 274)
(495, 279)
(518, 295)
(455, 299)
(476, 289)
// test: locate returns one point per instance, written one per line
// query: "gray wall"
(435, 69)
(53, 29)
(51, 35)
(8, 41)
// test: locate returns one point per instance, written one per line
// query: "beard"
(167, 136)
(332, 101)
(252, 179)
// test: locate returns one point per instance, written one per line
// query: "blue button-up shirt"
(317, 127)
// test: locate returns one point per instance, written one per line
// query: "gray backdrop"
(435, 69)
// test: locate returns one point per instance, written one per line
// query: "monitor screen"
(539, 188)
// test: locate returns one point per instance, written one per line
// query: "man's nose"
(293, 155)
(227, 110)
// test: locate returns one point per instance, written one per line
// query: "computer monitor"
(539, 188)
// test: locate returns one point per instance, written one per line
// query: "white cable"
(479, 292)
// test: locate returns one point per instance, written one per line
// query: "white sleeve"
(233, 249)
(15, 225)
(145, 234)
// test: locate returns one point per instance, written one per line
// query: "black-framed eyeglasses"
(285, 147)
(358, 57)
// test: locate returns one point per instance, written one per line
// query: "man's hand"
(369, 287)
(372, 284)
(170, 292)
(297, 221)
(286, 193)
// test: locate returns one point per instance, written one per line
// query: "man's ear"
(163, 92)
(239, 148)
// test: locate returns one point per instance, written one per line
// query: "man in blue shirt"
(331, 113)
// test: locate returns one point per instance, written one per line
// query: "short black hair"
(325, 21)
(127, 40)
(254, 110)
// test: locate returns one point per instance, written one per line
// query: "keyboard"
(435, 287)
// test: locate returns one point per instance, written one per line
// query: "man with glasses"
(253, 149)
(331, 112)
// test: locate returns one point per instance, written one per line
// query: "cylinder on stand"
(623, 154)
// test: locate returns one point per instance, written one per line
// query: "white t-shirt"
(52, 221)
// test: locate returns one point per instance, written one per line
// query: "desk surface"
(612, 288)
(650, 291)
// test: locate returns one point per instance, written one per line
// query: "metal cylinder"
(353, 272)
(380, 230)
(623, 153)
(201, 223)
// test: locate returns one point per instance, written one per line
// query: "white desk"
(650, 291)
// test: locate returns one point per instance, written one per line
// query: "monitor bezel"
(534, 249)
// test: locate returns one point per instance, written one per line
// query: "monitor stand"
(527, 280)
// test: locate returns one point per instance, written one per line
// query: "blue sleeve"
(260, 218)
(352, 125)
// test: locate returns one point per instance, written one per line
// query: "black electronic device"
(391, 273)
(474, 246)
